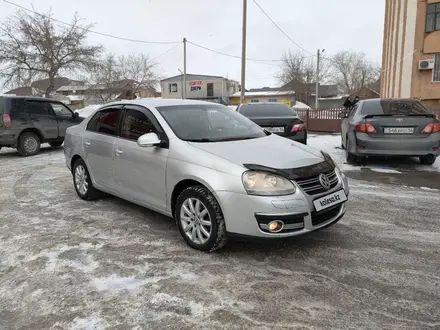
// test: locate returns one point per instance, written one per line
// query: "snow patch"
(89, 323)
(88, 110)
(384, 170)
(429, 189)
(116, 283)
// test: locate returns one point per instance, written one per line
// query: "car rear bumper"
(7, 138)
(246, 215)
(368, 146)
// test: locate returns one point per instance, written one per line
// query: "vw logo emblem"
(399, 120)
(324, 181)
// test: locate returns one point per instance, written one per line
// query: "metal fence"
(328, 120)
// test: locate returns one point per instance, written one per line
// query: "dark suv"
(26, 122)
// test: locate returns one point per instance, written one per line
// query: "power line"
(169, 50)
(268, 62)
(281, 30)
(91, 31)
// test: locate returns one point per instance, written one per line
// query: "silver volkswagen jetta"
(215, 171)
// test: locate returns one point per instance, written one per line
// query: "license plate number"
(335, 198)
(275, 129)
(398, 130)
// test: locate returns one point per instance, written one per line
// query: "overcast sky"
(216, 24)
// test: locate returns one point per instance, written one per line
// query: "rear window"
(266, 110)
(393, 107)
(12, 106)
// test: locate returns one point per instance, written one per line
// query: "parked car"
(277, 118)
(214, 171)
(390, 127)
(27, 122)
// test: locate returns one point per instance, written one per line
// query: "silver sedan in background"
(214, 171)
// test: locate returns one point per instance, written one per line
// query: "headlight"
(266, 184)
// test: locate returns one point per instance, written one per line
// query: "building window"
(172, 88)
(433, 17)
(436, 70)
(255, 100)
(273, 100)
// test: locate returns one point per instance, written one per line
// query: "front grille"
(325, 215)
(312, 186)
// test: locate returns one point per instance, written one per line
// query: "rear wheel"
(351, 159)
(200, 219)
(428, 160)
(82, 182)
(28, 144)
(56, 144)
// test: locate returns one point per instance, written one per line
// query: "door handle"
(87, 144)
(119, 152)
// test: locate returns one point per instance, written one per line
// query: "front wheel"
(200, 219)
(428, 160)
(82, 181)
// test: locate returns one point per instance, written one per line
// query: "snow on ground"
(331, 143)
(300, 105)
(88, 110)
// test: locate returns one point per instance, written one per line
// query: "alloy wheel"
(30, 145)
(195, 220)
(81, 182)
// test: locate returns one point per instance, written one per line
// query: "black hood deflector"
(300, 172)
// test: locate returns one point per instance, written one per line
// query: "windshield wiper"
(200, 140)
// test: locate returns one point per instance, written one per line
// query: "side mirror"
(149, 140)
(75, 115)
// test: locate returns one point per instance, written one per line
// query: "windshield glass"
(267, 110)
(209, 123)
(393, 107)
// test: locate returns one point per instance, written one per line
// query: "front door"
(140, 172)
(43, 118)
(65, 118)
(98, 141)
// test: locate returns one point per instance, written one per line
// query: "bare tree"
(353, 71)
(301, 67)
(33, 47)
(140, 69)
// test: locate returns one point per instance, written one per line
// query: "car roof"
(158, 102)
(31, 98)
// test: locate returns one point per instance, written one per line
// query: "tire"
(83, 183)
(56, 144)
(200, 197)
(28, 144)
(428, 160)
(351, 159)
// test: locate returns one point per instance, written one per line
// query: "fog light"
(275, 226)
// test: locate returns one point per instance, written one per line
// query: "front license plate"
(330, 200)
(275, 129)
(398, 130)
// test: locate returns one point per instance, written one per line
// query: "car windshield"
(267, 110)
(393, 107)
(209, 123)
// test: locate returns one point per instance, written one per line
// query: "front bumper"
(244, 214)
(411, 147)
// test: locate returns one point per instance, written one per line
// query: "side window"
(61, 110)
(16, 107)
(353, 111)
(136, 124)
(105, 121)
(40, 108)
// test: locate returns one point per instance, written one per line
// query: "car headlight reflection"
(266, 184)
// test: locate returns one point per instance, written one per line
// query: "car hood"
(271, 151)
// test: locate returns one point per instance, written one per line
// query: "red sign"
(195, 83)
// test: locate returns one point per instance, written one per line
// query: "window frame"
(147, 112)
(63, 105)
(435, 14)
(169, 88)
(436, 67)
(118, 123)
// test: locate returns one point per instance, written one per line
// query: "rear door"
(43, 118)
(397, 119)
(98, 142)
(275, 118)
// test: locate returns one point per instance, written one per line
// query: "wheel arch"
(31, 130)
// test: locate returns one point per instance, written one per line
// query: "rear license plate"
(398, 130)
(275, 129)
(330, 200)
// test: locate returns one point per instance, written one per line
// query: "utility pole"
(181, 87)
(318, 58)
(184, 68)
(243, 52)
